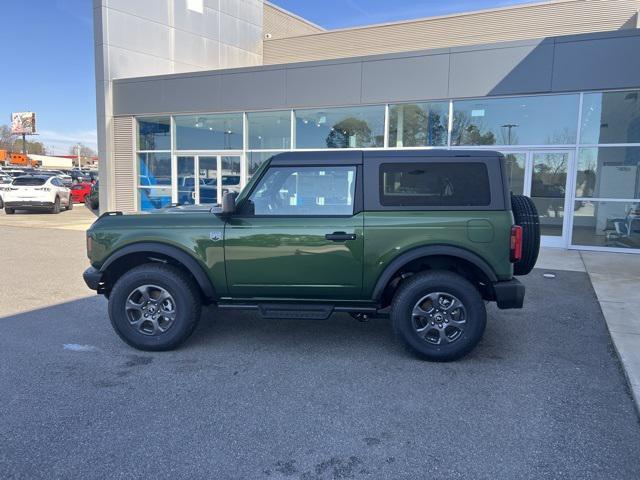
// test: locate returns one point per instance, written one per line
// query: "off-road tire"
(525, 214)
(182, 288)
(421, 284)
(55, 209)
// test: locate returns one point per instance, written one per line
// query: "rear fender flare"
(430, 251)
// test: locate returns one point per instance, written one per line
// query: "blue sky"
(47, 60)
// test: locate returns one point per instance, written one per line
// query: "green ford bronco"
(424, 237)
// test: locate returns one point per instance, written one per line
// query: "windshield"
(29, 182)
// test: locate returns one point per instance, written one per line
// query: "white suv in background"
(5, 182)
(32, 192)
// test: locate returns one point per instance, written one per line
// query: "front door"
(297, 236)
(204, 179)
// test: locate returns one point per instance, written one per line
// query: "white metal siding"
(279, 24)
(124, 163)
(563, 17)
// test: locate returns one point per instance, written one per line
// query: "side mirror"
(228, 203)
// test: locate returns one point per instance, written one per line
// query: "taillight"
(516, 243)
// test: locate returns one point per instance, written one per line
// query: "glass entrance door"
(549, 193)
(204, 179)
(186, 187)
(542, 175)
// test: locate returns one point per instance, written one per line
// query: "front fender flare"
(170, 251)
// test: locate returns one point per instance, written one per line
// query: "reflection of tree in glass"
(420, 126)
(564, 137)
(343, 132)
(467, 133)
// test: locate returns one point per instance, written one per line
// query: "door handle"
(340, 236)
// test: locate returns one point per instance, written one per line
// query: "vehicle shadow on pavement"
(542, 396)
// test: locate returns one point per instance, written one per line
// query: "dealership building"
(193, 95)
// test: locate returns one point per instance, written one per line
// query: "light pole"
(509, 126)
(78, 154)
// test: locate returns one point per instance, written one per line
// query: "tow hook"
(361, 317)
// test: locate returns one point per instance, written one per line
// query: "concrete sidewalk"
(616, 280)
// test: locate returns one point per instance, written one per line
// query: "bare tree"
(85, 152)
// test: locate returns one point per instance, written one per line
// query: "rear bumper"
(93, 278)
(509, 294)
(26, 204)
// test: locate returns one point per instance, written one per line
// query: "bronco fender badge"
(215, 236)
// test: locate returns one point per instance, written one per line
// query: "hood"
(185, 209)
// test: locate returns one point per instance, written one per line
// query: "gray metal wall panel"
(135, 97)
(405, 79)
(192, 94)
(324, 85)
(597, 64)
(581, 62)
(501, 71)
(259, 90)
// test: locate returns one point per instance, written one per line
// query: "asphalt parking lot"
(543, 396)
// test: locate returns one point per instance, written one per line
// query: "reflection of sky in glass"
(269, 130)
(544, 120)
(209, 132)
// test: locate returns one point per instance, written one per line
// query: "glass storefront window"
(612, 117)
(515, 163)
(154, 180)
(154, 169)
(543, 120)
(269, 130)
(255, 159)
(608, 172)
(209, 132)
(606, 224)
(352, 127)
(154, 133)
(418, 124)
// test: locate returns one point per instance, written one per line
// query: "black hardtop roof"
(351, 157)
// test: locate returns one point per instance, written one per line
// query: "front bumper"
(93, 278)
(509, 294)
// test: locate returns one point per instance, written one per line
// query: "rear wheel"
(525, 214)
(70, 205)
(56, 206)
(154, 307)
(438, 315)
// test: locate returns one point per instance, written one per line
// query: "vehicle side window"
(305, 191)
(434, 184)
(54, 182)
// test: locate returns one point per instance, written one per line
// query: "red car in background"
(79, 191)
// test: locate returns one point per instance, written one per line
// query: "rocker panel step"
(299, 311)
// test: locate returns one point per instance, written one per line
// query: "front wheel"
(438, 315)
(154, 307)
